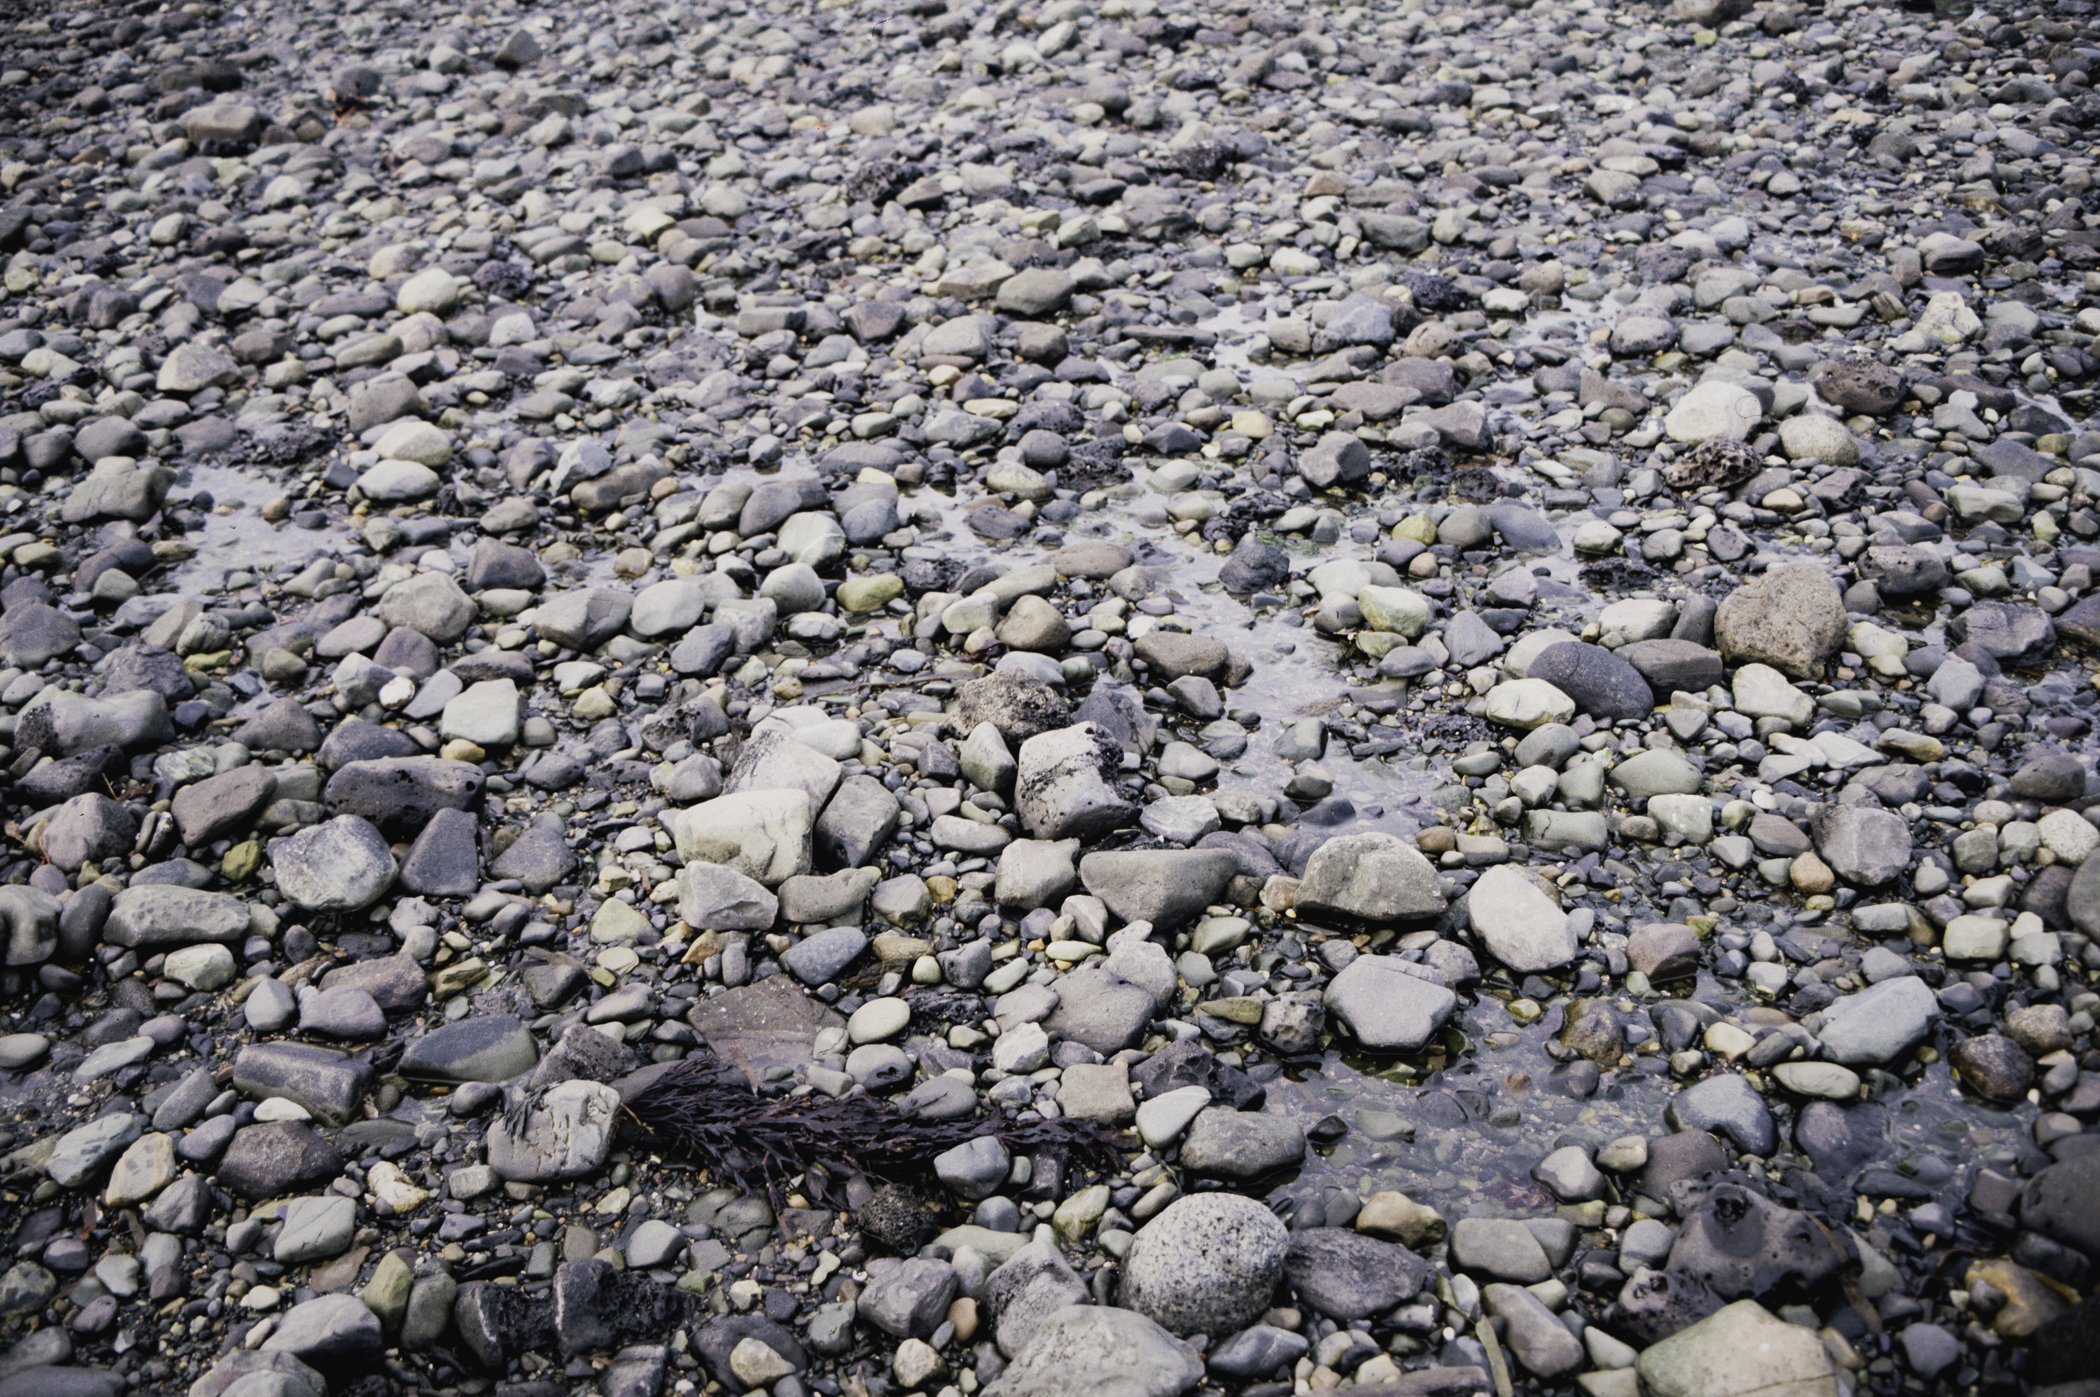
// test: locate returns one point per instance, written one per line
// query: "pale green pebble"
(386, 1294)
(1610, 1382)
(1216, 936)
(1827, 1080)
(1607, 1352)
(241, 861)
(869, 593)
(617, 923)
(1076, 1216)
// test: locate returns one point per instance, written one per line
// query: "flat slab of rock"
(768, 1024)
(157, 915)
(1227, 1144)
(1347, 1275)
(329, 1333)
(1880, 1023)
(762, 834)
(1740, 1350)
(1165, 887)
(1503, 1248)
(1098, 1348)
(1373, 875)
(1518, 923)
(1387, 1006)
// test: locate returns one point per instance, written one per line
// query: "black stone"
(1653, 1305)
(1254, 567)
(1994, 1066)
(2058, 1203)
(1840, 1140)
(1688, 1156)
(58, 781)
(1740, 1244)
(897, 1218)
(2069, 1348)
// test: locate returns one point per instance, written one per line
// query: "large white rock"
(1741, 1350)
(435, 290)
(1528, 703)
(1518, 923)
(763, 835)
(1714, 410)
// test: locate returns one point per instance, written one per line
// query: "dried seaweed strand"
(705, 1108)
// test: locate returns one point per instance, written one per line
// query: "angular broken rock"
(1387, 1005)
(1374, 876)
(561, 1133)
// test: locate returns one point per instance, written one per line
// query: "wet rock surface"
(1420, 677)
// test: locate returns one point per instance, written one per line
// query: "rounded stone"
(19, 1050)
(343, 1011)
(878, 1021)
(1810, 436)
(340, 866)
(1528, 703)
(1208, 1264)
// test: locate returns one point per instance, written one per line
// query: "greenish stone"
(386, 1294)
(241, 861)
(869, 593)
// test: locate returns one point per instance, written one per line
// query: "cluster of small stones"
(1077, 560)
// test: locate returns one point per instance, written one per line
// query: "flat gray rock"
(158, 915)
(1386, 1006)
(1880, 1023)
(1373, 876)
(1241, 1145)
(478, 1048)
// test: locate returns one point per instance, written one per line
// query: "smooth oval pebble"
(878, 1021)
